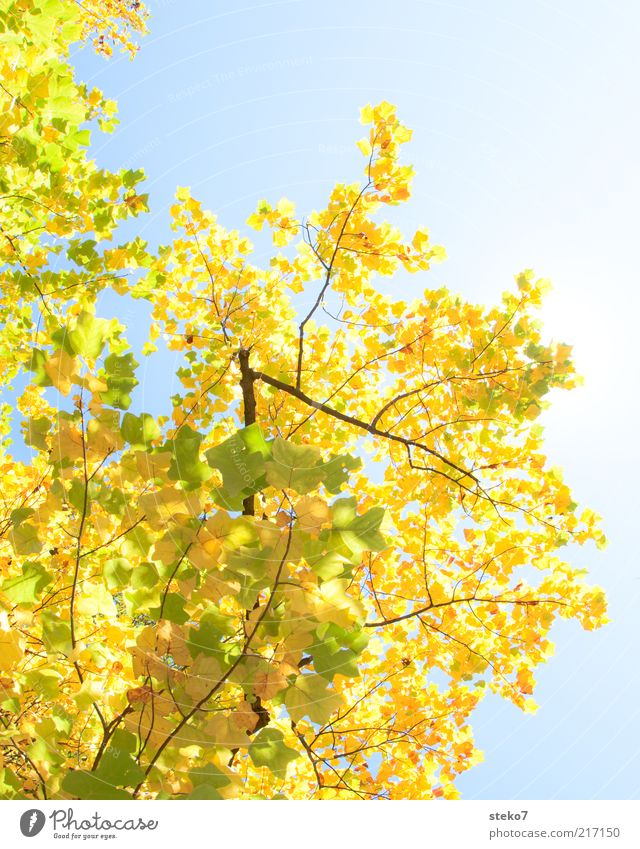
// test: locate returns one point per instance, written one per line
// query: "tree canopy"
(302, 579)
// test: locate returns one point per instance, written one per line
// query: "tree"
(303, 579)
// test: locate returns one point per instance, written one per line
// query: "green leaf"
(10, 785)
(81, 138)
(61, 339)
(44, 682)
(269, 749)
(35, 431)
(358, 533)
(208, 636)
(25, 149)
(207, 781)
(310, 696)
(292, 466)
(241, 460)
(120, 376)
(37, 366)
(335, 650)
(24, 538)
(248, 567)
(343, 512)
(62, 720)
(301, 468)
(145, 576)
(186, 464)
(117, 766)
(20, 514)
(56, 633)
(82, 252)
(88, 785)
(131, 178)
(205, 791)
(117, 573)
(76, 494)
(45, 751)
(337, 471)
(172, 609)
(144, 587)
(136, 543)
(117, 769)
(26, 588)
(113, 500)
(139, 431)
(325, 563)
(89, 335)
(364, 533)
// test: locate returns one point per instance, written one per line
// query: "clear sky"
(526, 140)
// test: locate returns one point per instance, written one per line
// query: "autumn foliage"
(302, 579)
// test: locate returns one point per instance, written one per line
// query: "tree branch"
(359, 423)
(325, 286)
(247, 378)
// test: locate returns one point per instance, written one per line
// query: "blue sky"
(526, 136)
